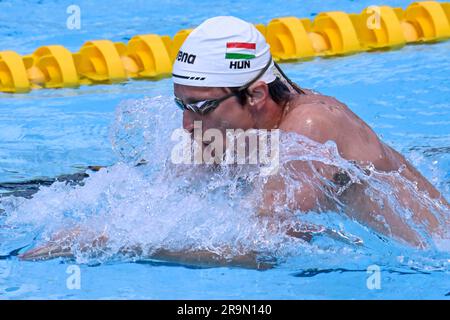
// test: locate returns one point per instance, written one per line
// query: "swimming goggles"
(205, 106)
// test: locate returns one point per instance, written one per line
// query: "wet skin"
(322, 118)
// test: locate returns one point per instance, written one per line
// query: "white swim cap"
(223, 51)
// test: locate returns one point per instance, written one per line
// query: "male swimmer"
(224, 76)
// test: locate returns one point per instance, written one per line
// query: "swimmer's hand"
(62, 243)
(307, 232)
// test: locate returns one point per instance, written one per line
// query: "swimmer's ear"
(258, 93)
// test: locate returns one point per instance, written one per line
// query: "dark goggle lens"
(180, 104)
(206, 106)
(201, 108)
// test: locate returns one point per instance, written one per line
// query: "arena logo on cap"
(186, 57)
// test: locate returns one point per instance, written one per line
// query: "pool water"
(403, 95)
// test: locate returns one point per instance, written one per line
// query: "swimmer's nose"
(188, 121)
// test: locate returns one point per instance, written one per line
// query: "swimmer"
(224, 76)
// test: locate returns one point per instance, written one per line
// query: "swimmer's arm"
(412, 174)
(309, 122)
(318, 194)
(210, 259)
(62, 245)
(310, 194)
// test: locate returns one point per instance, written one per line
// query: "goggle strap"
(292, 84)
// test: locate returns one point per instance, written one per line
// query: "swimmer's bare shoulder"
(322, 118)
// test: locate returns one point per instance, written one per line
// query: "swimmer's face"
(230, 114)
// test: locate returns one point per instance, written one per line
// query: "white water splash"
(181, 208)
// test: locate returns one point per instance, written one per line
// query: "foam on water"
(160, 205)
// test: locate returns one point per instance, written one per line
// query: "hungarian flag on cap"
(240, 50)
